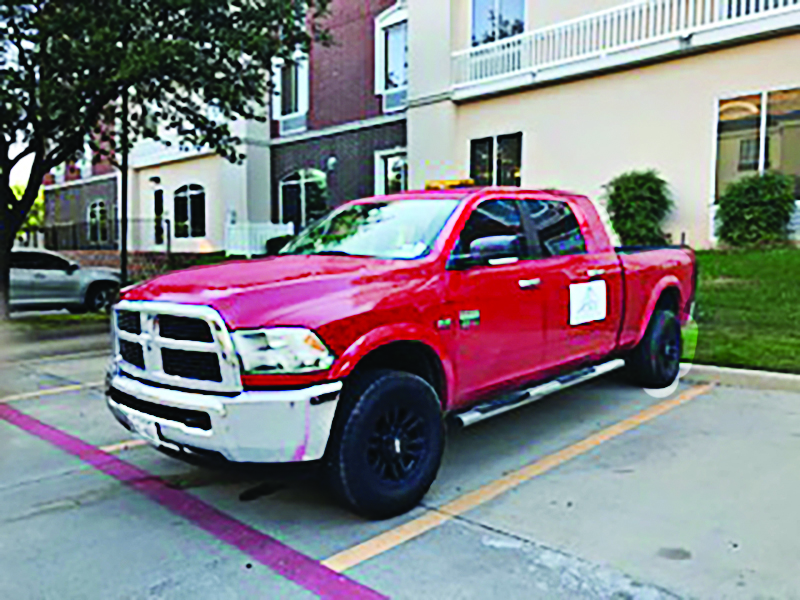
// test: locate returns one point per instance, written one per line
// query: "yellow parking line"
(122, 446)
(52, 391)
(386, 541)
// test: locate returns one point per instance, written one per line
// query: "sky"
(20, 173)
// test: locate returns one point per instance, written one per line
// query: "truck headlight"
(280, 351)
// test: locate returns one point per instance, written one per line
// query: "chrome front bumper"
(255, 427)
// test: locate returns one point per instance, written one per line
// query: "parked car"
(353, 344)
(43, 280)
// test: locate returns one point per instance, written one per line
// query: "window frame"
(295, 122)
(189, 192)
(391, 17)
(763, 137)
(496, 7)
(379, 185)
(96, 224)
(495, 154)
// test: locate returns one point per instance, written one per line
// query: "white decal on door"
(587, 302)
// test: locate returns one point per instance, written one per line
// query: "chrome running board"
(502, 405)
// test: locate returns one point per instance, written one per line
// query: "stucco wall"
(581, 134)
(223, 185)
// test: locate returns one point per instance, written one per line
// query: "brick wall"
(343, 75)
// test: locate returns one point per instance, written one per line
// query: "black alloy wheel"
(386, 443)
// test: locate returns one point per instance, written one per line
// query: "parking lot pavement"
(695, 499)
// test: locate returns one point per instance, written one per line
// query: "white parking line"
(52, 391)
(122, 446)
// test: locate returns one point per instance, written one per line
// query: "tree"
(35, 218)
(189, 66)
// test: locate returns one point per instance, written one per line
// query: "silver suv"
(43, 280)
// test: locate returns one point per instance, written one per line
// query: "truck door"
(583, 290)
(493, 302)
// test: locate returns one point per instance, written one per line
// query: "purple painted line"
(280, 558)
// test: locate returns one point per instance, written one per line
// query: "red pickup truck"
(352, 345)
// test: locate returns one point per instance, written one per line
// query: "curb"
(746, 378)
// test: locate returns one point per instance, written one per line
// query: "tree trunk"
(6, 241)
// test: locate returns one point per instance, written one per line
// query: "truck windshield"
(400, 229)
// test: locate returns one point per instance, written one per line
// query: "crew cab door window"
(493, 235)
(555, 229)
(496, 322)
(583, 290)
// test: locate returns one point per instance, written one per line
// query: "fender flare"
(388, 334)
(666, 282)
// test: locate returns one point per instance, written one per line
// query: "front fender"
(387, 334)
(665, 282)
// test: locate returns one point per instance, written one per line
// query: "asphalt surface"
(697, 500)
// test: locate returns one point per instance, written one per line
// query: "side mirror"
(501, 248)
(494, 247)
(72, 267)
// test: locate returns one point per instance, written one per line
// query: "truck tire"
(655, 362)
(386, 444)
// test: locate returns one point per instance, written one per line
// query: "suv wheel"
(387, 443)
(655, 361)
(100, 297)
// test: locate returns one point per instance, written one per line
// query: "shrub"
(756, 210)
(638, 202)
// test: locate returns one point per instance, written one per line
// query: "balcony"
(627, 34)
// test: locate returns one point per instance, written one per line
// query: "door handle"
(595, 272)
(526, 284)
(38, 276)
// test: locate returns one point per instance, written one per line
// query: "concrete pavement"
(696, 502)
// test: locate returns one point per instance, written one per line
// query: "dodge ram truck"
(350, 347)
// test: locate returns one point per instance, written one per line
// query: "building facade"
(571, 94)
(81, 205)
(339, 129)
(337, 132)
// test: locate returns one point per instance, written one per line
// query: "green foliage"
(35, 217)
(190, 67)
(638, 202)
(756, 209)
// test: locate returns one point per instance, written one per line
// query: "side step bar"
(497, 407)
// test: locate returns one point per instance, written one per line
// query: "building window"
(158, 206)
(505, 169)
(748, 154)
(303, 198)
(494, 20)
(97, 222)
(291, 94)
(391, 58)
(391, 172)
(190, 211)
(756, 133)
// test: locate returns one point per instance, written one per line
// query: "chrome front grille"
(175, 344)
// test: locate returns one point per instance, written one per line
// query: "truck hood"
(307, 291)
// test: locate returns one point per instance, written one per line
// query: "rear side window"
(556, 230)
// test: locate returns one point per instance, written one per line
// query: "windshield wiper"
(333, 253)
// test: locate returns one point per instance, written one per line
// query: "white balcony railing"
(628, 26)
(250, 239)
